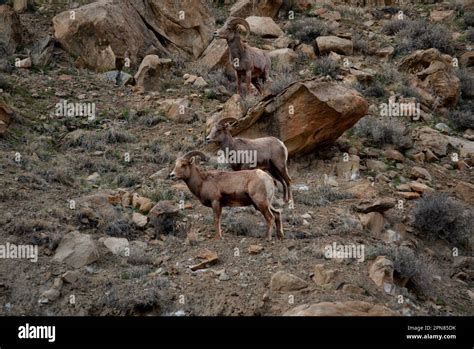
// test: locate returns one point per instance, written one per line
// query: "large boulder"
(349, 308)
(151, 71)
(434, 73)
(305, 115)
(435, 141)
(244, 8)
(264, 27)
(102, 30)
(10, 31)
(216, 56)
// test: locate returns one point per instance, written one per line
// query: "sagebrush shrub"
(326, 66)
(439, 216)
(308, 29)
(381, 132)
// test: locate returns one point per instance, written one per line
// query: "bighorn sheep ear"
(242, 22)
(227, 121)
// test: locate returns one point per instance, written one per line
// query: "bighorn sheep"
(250, 63)
(219, 189)
(271, 153)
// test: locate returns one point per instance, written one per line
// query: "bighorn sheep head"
(218, 130)
(182, 167)
(230, 28)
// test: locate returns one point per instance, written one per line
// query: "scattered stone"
(224, 277)
(393, 154)
(380, 205)
(24, 63)
(76, 250)
(385, 52)
(403, 187)
(71, 276)
(208, 258)
(375, 165)
(348, 308)
(465, 191)
(419, 172)
(443, 127)
(285, 282)
(327, 44)
(409, 195)
(348, 169)
(381, 271)
(323, 277)
(93, 177)
(139, 220)
(111, 77)
(49, 296)
(420, 187)
(441, 15)
(200, 82)
(349, 288)
(373, 222)
(255, 249)
(118, 246)
(142, 203)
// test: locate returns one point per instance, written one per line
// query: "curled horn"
(243, 22)
(192, 153)
(227, 120)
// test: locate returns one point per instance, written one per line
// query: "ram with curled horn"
(270, 153)
(218, 189)
(251, 64)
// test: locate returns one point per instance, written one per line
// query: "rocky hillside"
(373, 99)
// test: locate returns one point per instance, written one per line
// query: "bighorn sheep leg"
(279, 226)
(248, 78)
(216, 207)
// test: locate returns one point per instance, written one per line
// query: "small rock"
(224, 277)
(255, 249)
(443, 127)
(393, 154)
(322, 276)
(71, 276)
(419, 187)
(139, 220)
(24, 63)
(419, 172)
(380, 205)
(403, 187)
(49, 296)
(208, 258)
(118, 246)
(93, 177)
(77, 250)
(349, 288)
(408, 195)
(200, 82)
(284, 282)
(381, 271)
